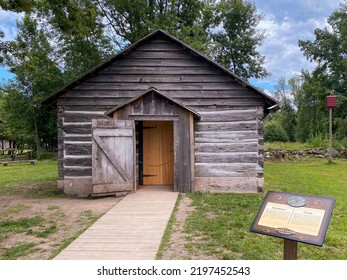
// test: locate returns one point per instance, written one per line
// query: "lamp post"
(330, 103)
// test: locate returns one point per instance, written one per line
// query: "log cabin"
(160, 113)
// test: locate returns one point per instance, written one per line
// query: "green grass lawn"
(220, 225)
(15, 177)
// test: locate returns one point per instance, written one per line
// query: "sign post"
(330, 103)
(295, 218)
(290, 250)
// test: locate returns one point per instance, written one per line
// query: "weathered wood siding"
(229, 151)
(155, 107)
(228, 138)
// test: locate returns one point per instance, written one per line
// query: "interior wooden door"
(113, 150)
(158, 153)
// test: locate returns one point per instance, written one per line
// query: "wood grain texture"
(228, 135)
(158, 161)
(227, 184)
(227, 169)
(159, 108)
(113, 156)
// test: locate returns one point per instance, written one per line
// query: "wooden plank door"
(158, 156)
(113, 156)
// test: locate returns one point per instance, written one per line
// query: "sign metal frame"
(324, 206)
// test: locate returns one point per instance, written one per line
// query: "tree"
(312, 118)
(283, 120)
(130, 20)
(329, 50)
(15, 6)
(58, 40)
(295, 91)
(235, 45)
(4, 47)
(4, 127)
(77, 29)
(37, 75)
(46, 54)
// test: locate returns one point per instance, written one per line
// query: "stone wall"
(279, 154)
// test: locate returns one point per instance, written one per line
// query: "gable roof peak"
(271, 102)
(149, 91)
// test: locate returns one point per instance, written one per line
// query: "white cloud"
(285, 22)
(8, 23)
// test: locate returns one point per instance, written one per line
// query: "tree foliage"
(281, 126)
(36, 76)
(329, 51)
(15, 6)
(78, 33)
(235, 45)
(274, 131)
(303, 98)
(130, 20)
(44, 56)
(4, 127)
(60, 39)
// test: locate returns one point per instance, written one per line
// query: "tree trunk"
(37, 138)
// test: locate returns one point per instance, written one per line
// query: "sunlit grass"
(220, 225)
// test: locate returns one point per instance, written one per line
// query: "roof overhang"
(142, 95)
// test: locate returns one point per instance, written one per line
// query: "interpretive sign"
(297, 217)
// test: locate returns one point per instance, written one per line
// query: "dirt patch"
(179, 240)
(40, 227)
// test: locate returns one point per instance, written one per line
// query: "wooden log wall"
(228, 138)
(228, 150)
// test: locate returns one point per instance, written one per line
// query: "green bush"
(340, 144)
(319, 140)
(340, 126)
(45, 155)
(274, 131)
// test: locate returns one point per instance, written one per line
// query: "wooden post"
(330, 149)
(330, 103)
(290, 250)
(140, 151)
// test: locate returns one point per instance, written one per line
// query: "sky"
(284, 23)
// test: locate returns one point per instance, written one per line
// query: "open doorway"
(155, 153)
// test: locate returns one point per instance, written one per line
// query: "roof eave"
(110, 112)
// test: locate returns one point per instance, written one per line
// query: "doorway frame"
(155, 106)
(175, 122)
(139, 149)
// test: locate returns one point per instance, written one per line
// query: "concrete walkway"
(131, 230)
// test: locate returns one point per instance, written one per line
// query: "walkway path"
(131, 230)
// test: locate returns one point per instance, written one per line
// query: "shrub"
(274, 131)
(45, 155)
(318, 140)
(340, 128)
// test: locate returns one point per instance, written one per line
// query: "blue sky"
(284, 23)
